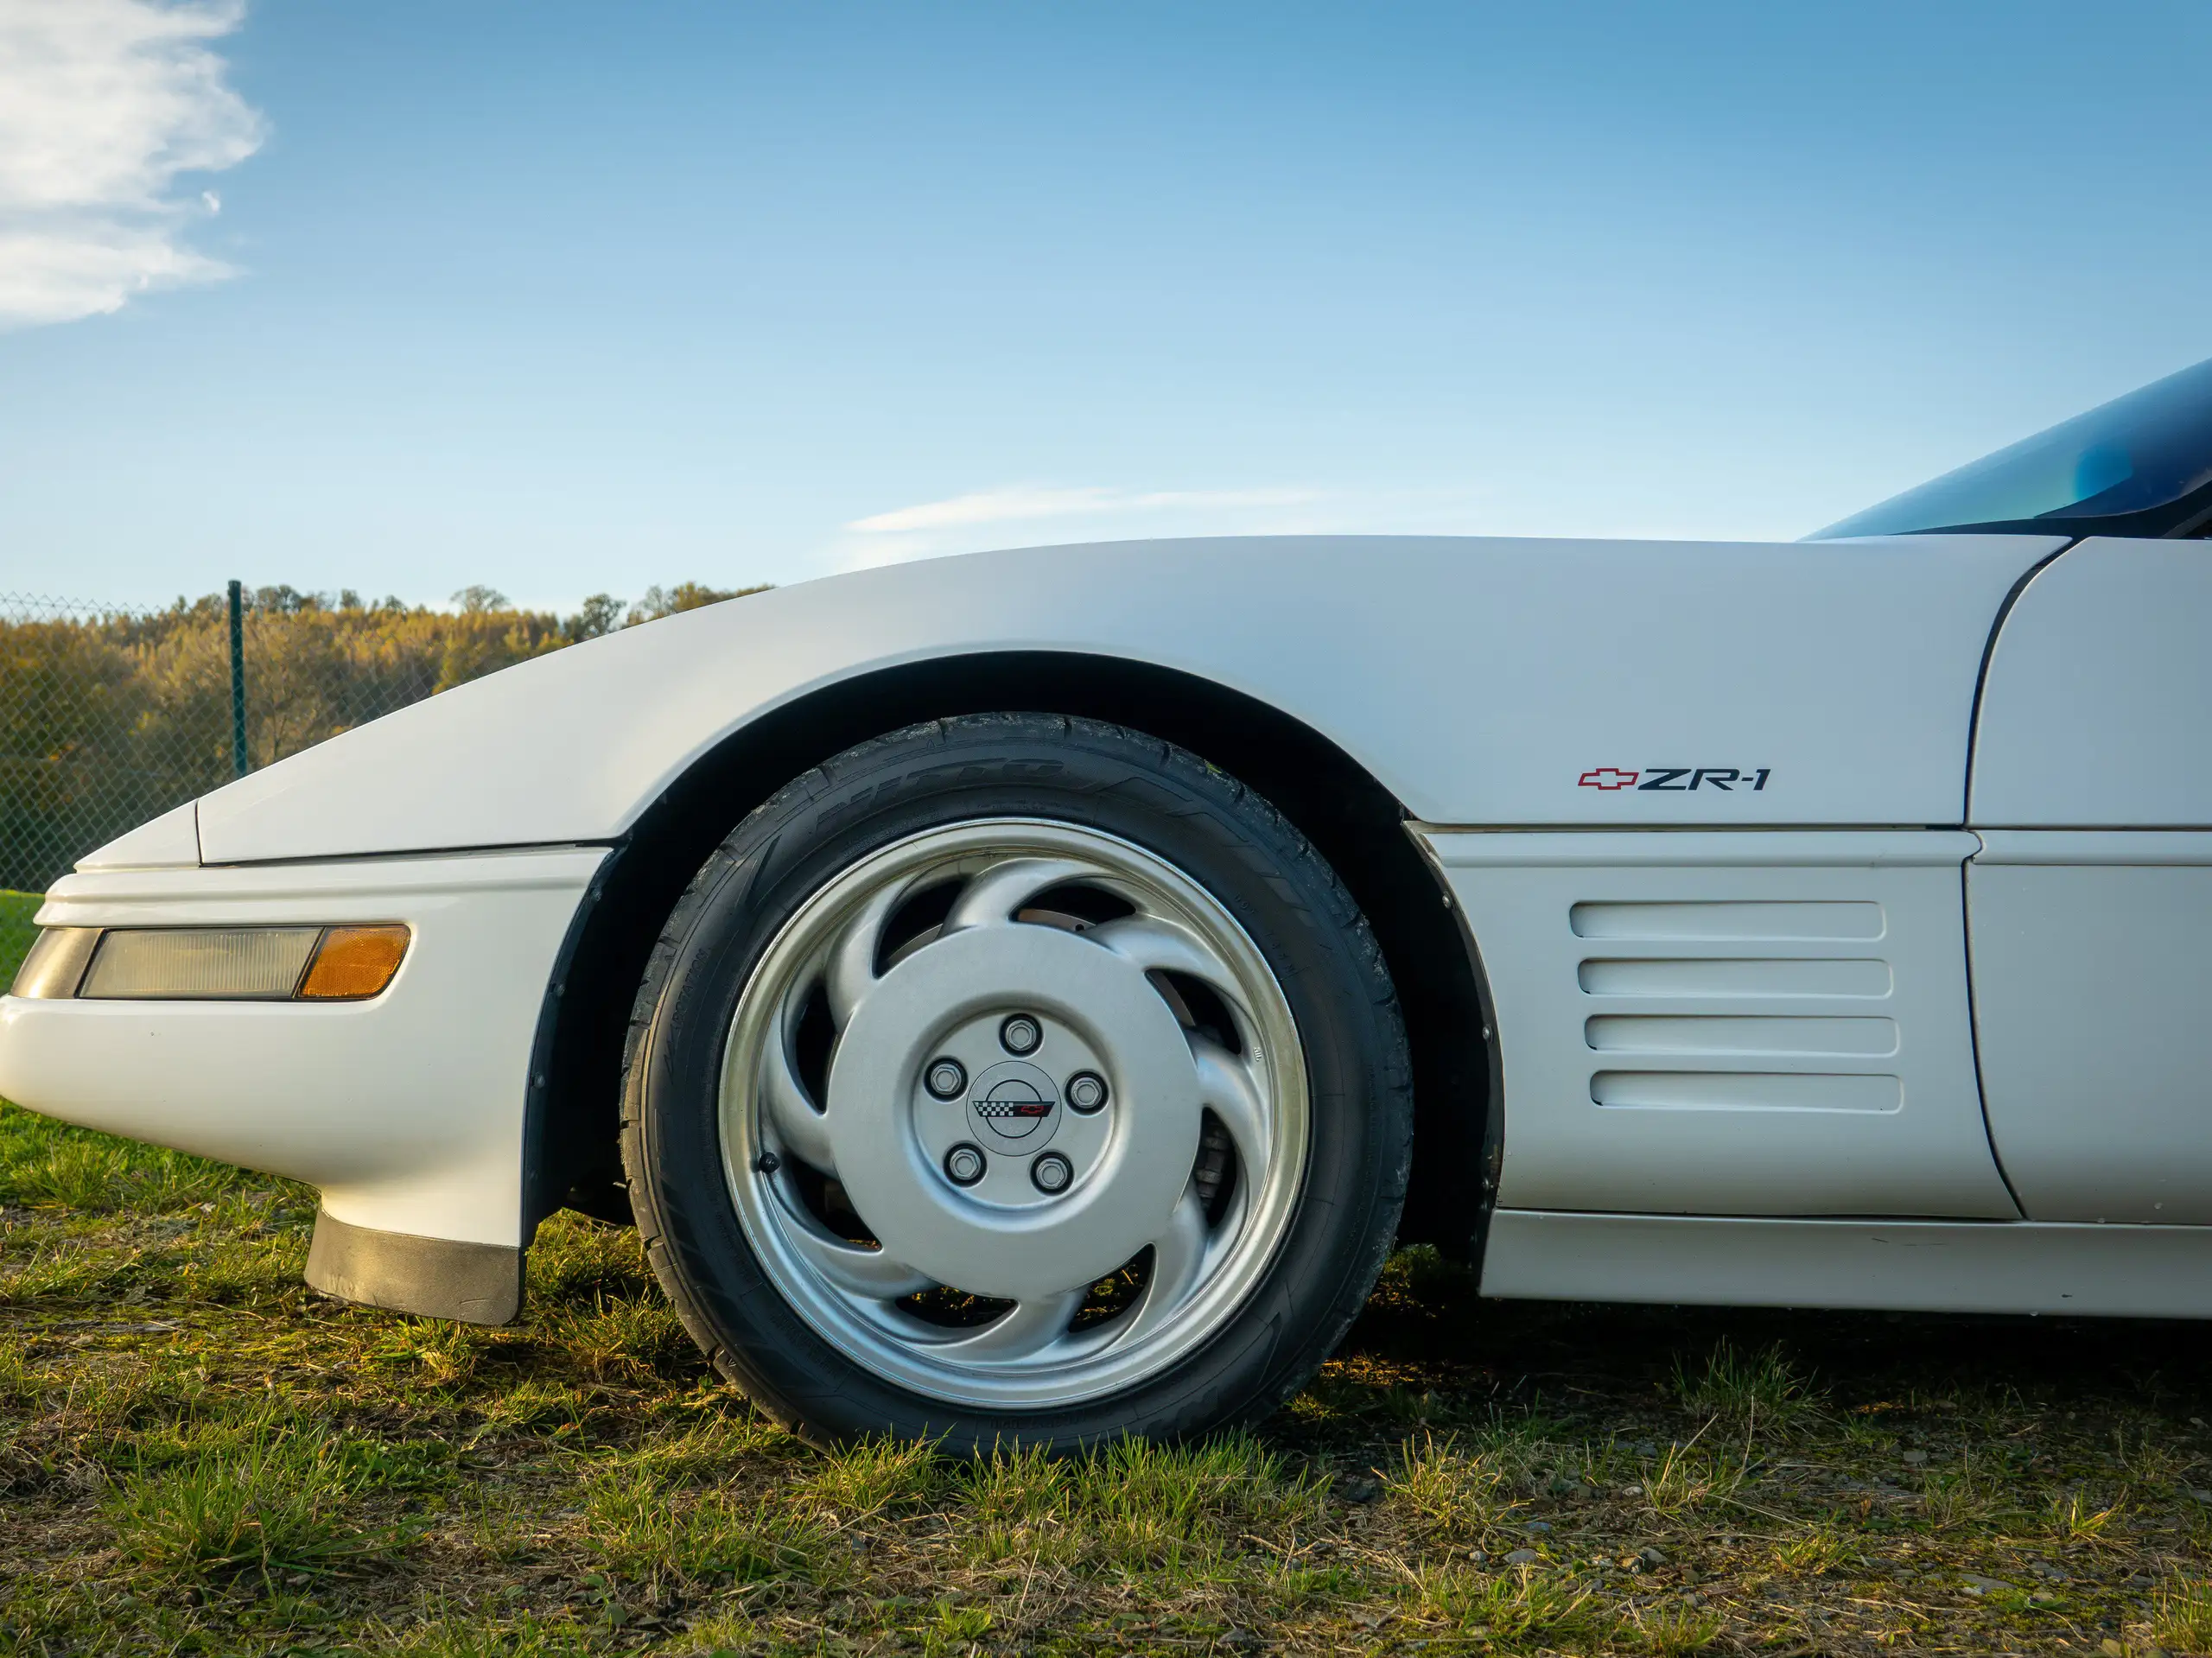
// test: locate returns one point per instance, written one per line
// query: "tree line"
(107, 720)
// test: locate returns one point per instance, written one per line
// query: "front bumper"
(406, 1111)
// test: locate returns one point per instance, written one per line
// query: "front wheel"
(1016, 1079)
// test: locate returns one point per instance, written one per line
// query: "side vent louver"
(1739, 1007)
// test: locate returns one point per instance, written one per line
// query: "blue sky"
(565, 298)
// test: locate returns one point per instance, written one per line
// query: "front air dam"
(438, 1278)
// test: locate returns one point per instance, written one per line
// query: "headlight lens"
(199, 963)
(55, 966)
(212, 963)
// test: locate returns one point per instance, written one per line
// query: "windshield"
(2139, 466)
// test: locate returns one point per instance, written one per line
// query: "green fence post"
(237, 682)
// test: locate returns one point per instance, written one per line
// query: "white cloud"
(1017, 501)
(103, 105)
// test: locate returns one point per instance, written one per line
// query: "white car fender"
(1482, 682)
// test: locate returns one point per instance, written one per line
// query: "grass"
(197, 1455)
(273, 1500)
(1746, 1390)
(2182, 1619)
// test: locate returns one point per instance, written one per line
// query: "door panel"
(2090, 910)
(2091, 992)
(2096, 711)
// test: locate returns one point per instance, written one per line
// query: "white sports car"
(1025, 994)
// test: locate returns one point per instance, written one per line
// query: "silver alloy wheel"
(1019, 999)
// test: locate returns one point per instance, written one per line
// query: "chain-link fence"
(109, 717)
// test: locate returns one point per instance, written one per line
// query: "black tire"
(1105, 778)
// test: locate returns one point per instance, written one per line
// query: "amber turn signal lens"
(353, 961)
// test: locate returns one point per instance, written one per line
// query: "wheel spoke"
(853, 1267)
(1230, 1226)
(1226, 1088)
(1158, 946)
(1034, 1325)
(1179, 1260)
(804, 1130)
(995, 895)
(851, 973)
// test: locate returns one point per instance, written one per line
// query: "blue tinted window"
(2146, 450)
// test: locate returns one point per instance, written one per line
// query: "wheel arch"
(571, 1121)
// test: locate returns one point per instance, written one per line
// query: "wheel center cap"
(1132, 1160)
(1014, 1107)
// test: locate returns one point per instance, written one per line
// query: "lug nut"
(1086, 1092)
(964, 1164)
(1021, 1034)
(1051, 1173)
(945, 1079)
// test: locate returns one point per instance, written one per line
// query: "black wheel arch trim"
(1491, 1159)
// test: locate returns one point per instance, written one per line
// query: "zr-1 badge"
(1727, 778)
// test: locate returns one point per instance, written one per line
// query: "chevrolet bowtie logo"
(1609, 777)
